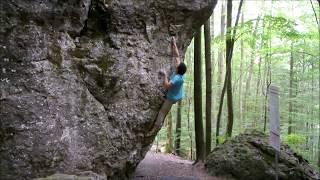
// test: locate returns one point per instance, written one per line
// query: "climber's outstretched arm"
(176, 55)
(166, 82)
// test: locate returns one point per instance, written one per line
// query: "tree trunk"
(268, 77)
(212, 80)
(319, 146)
(317, 115)
(169, 142)
(256, 104)
(268, 82)
(207, 40)
(220, 111)
(221, 49)
(252, 57)
(189, 108)
(178, 129)
(189, 129)
(229, 46)
(198, 98)
(290, 92)
(220, 69)
(227, 83)
(241, 78)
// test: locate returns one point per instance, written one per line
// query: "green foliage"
(282, 26)
(221, 139)
(294, 139)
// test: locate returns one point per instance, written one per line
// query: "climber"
(174, 88)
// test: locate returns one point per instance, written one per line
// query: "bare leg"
(165, 108)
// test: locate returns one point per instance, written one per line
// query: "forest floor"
(158, 166)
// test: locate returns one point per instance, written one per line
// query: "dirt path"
(156, 166)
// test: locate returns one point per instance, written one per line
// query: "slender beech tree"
(230, 39)
(189, 128)
(207, 41)
(169, 142)
(220, 64)
(268, 83)
(319, 148)
(291, 90)
(221, 49)
(198, 98)
(189, 103)
(241, 76)
(257, 105)
(212, 78)
(188, 123)
(268, 75)
(251, 66)
(229, 49)
(178, 129)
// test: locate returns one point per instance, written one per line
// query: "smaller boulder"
(250, 157)
(87, 175)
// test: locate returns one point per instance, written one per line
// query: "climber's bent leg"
(165, 108)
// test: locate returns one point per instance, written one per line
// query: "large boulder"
(250, 157)
(79, 81)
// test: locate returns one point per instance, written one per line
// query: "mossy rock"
(104, 63)
(90, 176)
(250, 157)
(55, 56)
(79, 53)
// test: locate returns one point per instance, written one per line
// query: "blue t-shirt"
(175, 93)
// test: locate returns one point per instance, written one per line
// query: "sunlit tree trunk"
(268, 83)
(317, 115)
(268, 77)
(212, 78)
(290, 129)
(241, 77)
(229, 51)
(264, 81)
(229, 48)
(220, 110)
(256, 106)
(198, 98)
(178, 129)
(319, 145)
(189, 128)
(189, 102)
(169, 143)
(221, 49)
(250, 71)
(207, 40)
(265, 90)
(220, 70)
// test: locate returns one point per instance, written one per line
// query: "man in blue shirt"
(174, 88)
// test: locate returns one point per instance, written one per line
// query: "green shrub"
(221, 139)
(294, 139)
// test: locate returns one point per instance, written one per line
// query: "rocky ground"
(157, 166)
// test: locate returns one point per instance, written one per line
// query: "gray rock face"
(79, 81)
(250, 157)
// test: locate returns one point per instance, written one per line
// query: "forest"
(275, 42)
